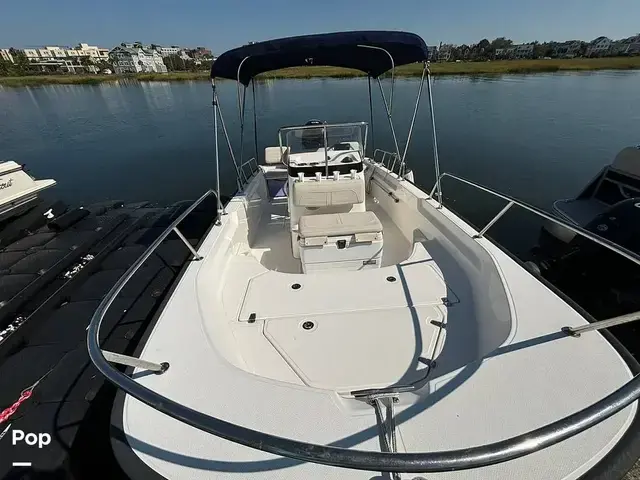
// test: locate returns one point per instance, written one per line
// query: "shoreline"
(498, 67)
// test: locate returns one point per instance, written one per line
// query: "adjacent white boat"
(337, 319)
(602, 197)
(18, 189)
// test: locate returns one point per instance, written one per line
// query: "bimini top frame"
(342, 49)
(372, 52)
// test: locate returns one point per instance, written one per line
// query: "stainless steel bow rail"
(117, 358)
(628, 254)
(473, 457)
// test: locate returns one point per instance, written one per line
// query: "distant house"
(501, 52)
(432, 53)
(444, 52)
(627, 46)
(633, 49)
(599, 47)
(524, 50)
(91, 52)
(167, 51)
(5, 54)
(31, 54)
(201, 53)
(128, 58)
(52, 53)
(568, 49)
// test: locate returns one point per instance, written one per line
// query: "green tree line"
(175, 63)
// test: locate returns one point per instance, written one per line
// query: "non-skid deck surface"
(342, 352)
(412, 283)
(272, 244)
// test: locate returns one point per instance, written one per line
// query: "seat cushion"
(335, 224)
(326, 193)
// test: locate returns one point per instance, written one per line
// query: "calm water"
(538, 137)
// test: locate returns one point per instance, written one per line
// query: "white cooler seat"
(347, 241)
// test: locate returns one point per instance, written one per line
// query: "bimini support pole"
(255, 119)
(241, 105)
(242, 109)
(220, 207)
(436, 160)
(413, 121)
(393, 131)
(373, 141)
(393, 71)
(239, 180)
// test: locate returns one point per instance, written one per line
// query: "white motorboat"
(614, 187)
(339, 322)
(18, 190)
(609, 206)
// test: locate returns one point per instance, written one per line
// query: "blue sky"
(223, 24)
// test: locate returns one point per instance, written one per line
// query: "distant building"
(432, 53)
(5, 54)
(31, 54)
(445, 51)
(627, 46)
(83, 50)
(129, 58)
(73, 55)
(568, 49)
(200, 53)
(51, 53)
(166, 51)
(599, 47)
(523, 51)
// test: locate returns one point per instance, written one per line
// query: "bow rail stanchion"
(599, 325)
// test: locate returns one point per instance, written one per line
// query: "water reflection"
(539, 137)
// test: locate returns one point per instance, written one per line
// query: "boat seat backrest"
(328, 193)
(273, 155)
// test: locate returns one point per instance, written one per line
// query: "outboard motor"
(313, 138)
(603, 282)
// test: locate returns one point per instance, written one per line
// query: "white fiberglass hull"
(473, 333)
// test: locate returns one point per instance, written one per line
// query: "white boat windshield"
(316, 136)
